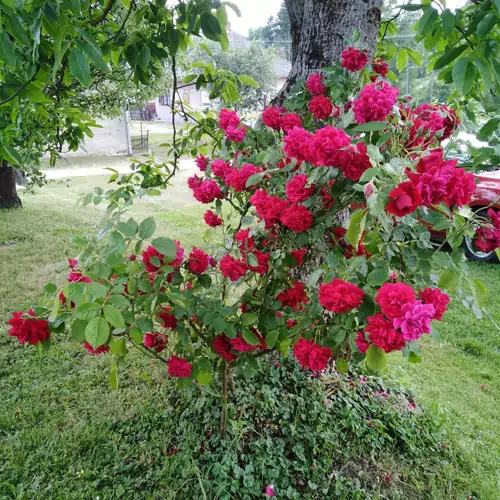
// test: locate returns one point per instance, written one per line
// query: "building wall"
(111, 138)
(196, 99)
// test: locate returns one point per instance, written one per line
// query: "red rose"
(340, 296)
(311, 355)
(293, 296)
(201, 162)
(27, 328)
(391, 297)
(198, 261)
(320, 106)
(178, 367)
(168, 319)
(238, 178)
(404, 199)
(95, 352)
(438, 299)
(361, 343)
(155, 341)
(227, 118)
(222, 347)
(298, 255)
(383, 335)
(232, 268)
(297, 218)
(315, 84)
(353, 59)
(212, 219)
(296, 190)
(271, 117)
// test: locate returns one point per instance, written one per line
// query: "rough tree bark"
(319, 29)
(8, 192)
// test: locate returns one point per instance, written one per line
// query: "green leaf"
(16, 29)
(79, 67)
(369, 174)
(145, 57)
(147, 228)
(205, 281)
(10, 154)
(271, 339)
(249, 319)
(412, 7)
(136, 335)
(93, 55)
(342, 365)
(88, 310)
(114, 316)
(448, 21)
(490, 127)
(118, 347)
(249, 81)
(128, 228)
(378, 276)
(413, 357)
(210, 26)
(145, 324)
(448, 280)
(234, 7)
(478, 291)
(449, 56)
(204, 377)
(314, 277)
(485, 72)
(75, 7)
(7, 51)
(486, 25)
(78, 330)
(464, 74)
(97, 290)
(113, 376)
(370, 127)
(426, 22)
(415, 56)
(376, 358)
(250, 338)
(165, 246)
(254, 179)
(50, 288)
(356, 228)
(284, 346)
(97, 332)
(55, 309)
(402, 59)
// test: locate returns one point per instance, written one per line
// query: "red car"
(488, 191)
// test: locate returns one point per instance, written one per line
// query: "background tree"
(255, 61)
(49, 51)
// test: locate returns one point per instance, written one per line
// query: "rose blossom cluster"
(278, 119)
(354, 59)
(328, 146)
(402, 318)
(435, 181)
(375, 102)
(488, 237)
(230, 122)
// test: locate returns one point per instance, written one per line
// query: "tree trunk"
(8, 192)
(319, 29)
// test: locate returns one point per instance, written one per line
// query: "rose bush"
(335, 196)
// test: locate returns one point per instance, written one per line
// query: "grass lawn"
(64, 434)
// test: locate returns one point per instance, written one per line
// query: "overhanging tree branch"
(23, 86)
(104, 13)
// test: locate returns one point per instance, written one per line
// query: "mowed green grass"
(64, 434)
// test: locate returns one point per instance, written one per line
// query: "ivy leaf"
(464, 74)
(356, 228)
(79, 67)
(97, 332)
(376, 358)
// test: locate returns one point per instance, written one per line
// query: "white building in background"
(198, 99)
